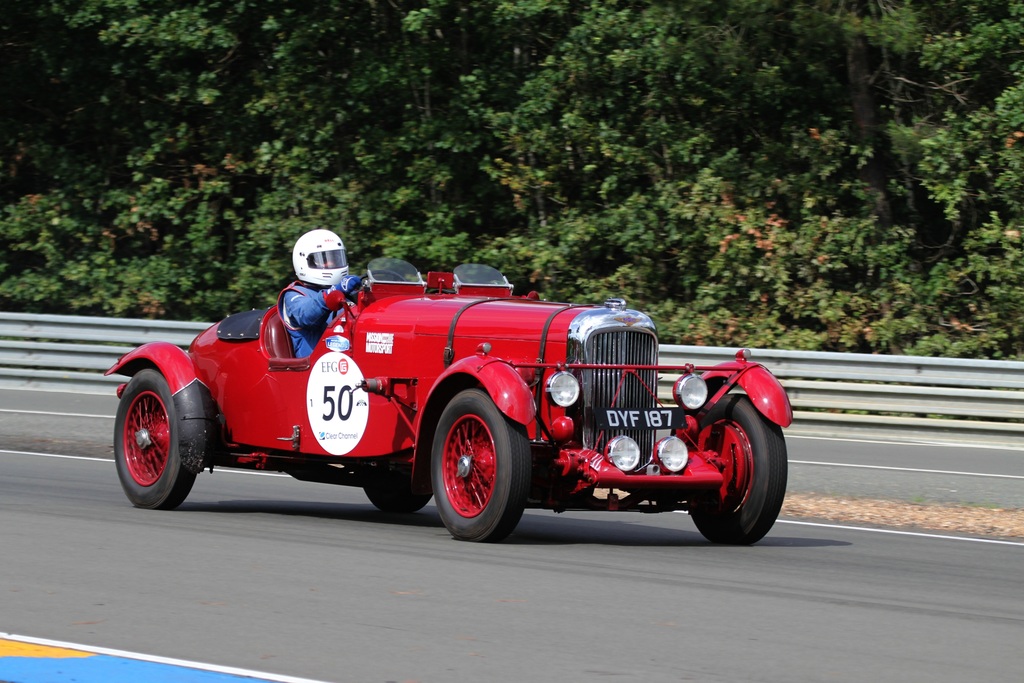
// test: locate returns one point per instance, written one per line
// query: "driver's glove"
(347, 288)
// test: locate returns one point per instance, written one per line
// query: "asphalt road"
(266, 573)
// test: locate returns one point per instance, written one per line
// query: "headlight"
(624, 453)
(690, 391)
(672, 453)
(564, 388)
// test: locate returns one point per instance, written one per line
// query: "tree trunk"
(866, 125)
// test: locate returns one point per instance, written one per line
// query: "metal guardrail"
(833, 394)
(71, 353)
(907, 398)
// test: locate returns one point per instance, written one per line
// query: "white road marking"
(228, 470)
(924, 443)
(904, 469)
(50, 413)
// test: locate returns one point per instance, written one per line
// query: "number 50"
(343, 405)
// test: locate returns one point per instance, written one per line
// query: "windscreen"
(392, 270)
(479, 274)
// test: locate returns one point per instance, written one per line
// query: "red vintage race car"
(452, 387)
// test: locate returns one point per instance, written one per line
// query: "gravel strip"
(975, 521)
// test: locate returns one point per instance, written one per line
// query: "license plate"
(640, 418)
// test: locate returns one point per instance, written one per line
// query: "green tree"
(814, 174)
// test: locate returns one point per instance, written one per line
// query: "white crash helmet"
(319, 258)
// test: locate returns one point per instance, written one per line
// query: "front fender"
(768, 395)
(764, 389)
(502, 383)
(174, 364)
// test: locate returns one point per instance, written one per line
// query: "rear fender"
(174, 364)
(502, 383)
(764, 389)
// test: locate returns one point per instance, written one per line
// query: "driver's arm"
(307, 310)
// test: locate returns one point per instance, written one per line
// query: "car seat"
(278, 344)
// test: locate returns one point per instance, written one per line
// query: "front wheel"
(752, 455)
(146, 445)
(480, 467)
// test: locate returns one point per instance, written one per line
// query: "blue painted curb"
(36, 660)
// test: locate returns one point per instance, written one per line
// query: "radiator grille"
(615, 388)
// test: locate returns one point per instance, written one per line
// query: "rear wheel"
(146, 445)
(752, 454)
(396, 496)
(480, 469)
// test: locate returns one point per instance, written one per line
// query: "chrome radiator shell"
(621, 339)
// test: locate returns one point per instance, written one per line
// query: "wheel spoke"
(471, 486)
(146, 438)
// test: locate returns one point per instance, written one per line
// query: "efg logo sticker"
(339, 344)
(336, 406)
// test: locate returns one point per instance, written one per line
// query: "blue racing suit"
(306, 312)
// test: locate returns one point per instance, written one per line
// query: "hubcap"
(142, 438)
(465, 463)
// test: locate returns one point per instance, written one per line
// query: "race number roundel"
(337, 409)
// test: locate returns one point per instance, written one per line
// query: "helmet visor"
(327, 260)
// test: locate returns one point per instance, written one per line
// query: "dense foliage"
(813, 174)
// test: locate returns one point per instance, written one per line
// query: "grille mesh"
(614, 388)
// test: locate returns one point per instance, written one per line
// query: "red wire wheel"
(480, 468)
(468, 461)
(146, 438)
(146, 444)
(752, 456)
(736, 457)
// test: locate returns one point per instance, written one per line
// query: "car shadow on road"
(537, 528)
(353, 512)
(636, 532)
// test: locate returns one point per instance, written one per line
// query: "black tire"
(756, 471)
(480, 467)
(396, 496)
(146, 445)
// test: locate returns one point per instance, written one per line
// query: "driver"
(309, 305)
